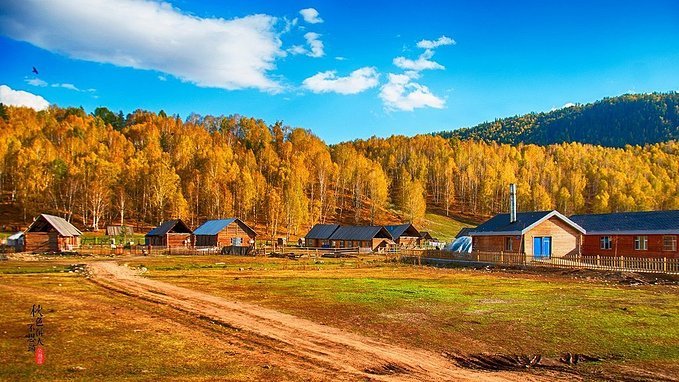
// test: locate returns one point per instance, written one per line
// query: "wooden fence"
(608, 263)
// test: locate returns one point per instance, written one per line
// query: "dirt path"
(300, 345)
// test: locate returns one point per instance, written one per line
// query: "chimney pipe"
(512, 203)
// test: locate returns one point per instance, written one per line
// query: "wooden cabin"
(543, 234)
(119, 230)
(319, 235)
(50, 233)
(370, 238)
(224, 233)
(170, 234)
(404, 235)
(632, 234)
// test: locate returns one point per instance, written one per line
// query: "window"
(605, 242)
(641, 243)
(509, 244)
(669, 243)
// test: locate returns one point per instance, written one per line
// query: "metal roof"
(59, 224)
(500, 225)
(321, 231)
(359, 233)
(169, 225)
(213, 227)
(659, 222)
(397, 231)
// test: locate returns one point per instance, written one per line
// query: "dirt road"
(300, 346)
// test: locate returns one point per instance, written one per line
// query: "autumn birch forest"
(106, 168)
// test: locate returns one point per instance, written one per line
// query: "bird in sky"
(35, 70)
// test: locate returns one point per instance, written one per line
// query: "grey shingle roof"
(397, 231)
(630, 222)
(321, 231)
(359, 233)
(499, 224)
(176, 225)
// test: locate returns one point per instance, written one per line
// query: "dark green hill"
(634, 119)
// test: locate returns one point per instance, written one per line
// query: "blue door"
(542, 247)
(546, 247)
(537, 247)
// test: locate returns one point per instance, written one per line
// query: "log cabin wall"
(229, 235)
(156, 241)
(38, 242)
(178, 240)
(496, 243)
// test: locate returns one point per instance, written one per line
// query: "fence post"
(598, 260)
(622, 262)
(502, 257)
(664, 264)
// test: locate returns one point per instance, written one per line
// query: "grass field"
(457, 311)
(442, 227)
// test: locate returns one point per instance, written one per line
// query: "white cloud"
(340, 58)
(289, 24)
(315, 44)
(36, 82)
(297, 49)
(310, 15)
(209, 52)
(66, 86)
(400, 93)
(428, 44)
(11, 97)
(162, 78)
(359, 80)
(422, 63)
(568, 104)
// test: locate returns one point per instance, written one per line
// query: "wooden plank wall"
(496, 244)
(178, 240)
(37, 242)
(565, 239)
(623, 245)
(231, 231)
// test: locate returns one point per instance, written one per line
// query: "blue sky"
(344, 70)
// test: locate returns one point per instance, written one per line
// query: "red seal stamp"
(39, 355)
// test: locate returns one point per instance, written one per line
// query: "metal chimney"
(512, 203)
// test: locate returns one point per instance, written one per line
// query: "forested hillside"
(148, 167)
(634, 119)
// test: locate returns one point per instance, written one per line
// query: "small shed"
(119, 230)
(223, 233)
(170, 234)
(16, 241)
(405, 235)
(319, 235)
(363, 237)
(50, 233)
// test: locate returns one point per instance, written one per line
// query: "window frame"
(638, 241)
(605, 242)
(509, 244)
(673, 241)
